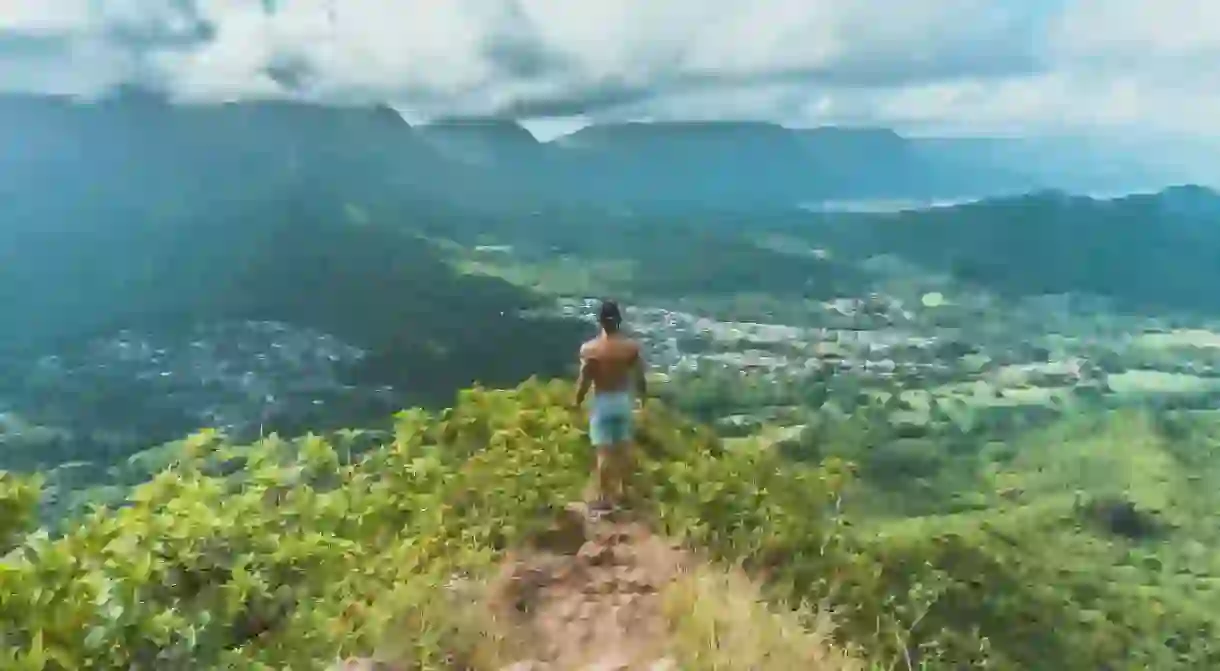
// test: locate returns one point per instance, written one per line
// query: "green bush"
(287, 553)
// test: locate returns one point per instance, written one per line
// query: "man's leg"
(598, 435)
(604, 476)
(620, 454)
(617, 473)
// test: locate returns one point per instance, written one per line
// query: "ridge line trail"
(611, 594)
(588, 595)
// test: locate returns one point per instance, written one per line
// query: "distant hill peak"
(1191, 191)
(131, 94)
(653, 128)
(389, 115)
(859, 141)
(500, 129)
(860, 132)
(639, 136)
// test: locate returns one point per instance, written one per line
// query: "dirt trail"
(588, 596)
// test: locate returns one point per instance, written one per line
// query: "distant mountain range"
(1148, 252)
(126, 203)
(127, 146)
(132, 196)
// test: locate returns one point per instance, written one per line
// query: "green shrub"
(288, 553)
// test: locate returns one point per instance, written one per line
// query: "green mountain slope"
(291, 552)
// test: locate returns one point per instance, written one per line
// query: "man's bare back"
(612, 362)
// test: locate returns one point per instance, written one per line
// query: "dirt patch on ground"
(589, 595)
(609, 594)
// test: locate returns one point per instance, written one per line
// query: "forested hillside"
(414, 325)
(290, 552)
(134, 234)
(1147, 252)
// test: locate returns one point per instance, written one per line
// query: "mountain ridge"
(1146, 251)
(494, 165)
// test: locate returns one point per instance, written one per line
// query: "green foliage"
(652, 259)
(993, 242)
(287, 553)
(711, 392)
(289, 253)
(18, 506)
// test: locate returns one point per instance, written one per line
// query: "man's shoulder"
(618, 344)
(629, 348)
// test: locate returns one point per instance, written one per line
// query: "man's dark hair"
(609, 316)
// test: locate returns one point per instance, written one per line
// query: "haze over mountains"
(135, 140)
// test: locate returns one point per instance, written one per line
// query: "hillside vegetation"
(120, 342)
(1147, 252)
(135, 231)
(290, 552)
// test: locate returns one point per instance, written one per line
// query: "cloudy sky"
(946, 66)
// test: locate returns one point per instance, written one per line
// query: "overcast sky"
(1028, 66)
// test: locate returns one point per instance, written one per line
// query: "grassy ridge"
(290, 552)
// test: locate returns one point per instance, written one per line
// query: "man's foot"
(600, 507)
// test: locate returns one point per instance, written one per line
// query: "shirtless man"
(611, 364)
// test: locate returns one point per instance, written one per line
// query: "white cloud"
(955, 65)
(45, 18)
(1140, 33)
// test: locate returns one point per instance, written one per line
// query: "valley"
(934, 342)
(283, 380)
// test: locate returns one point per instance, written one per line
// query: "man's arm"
(641, 377)
(585, 379)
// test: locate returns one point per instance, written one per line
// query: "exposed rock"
(597, 607)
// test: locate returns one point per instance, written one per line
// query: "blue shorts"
(610, 419)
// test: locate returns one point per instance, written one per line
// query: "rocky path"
(590, 596)
(586, 596)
